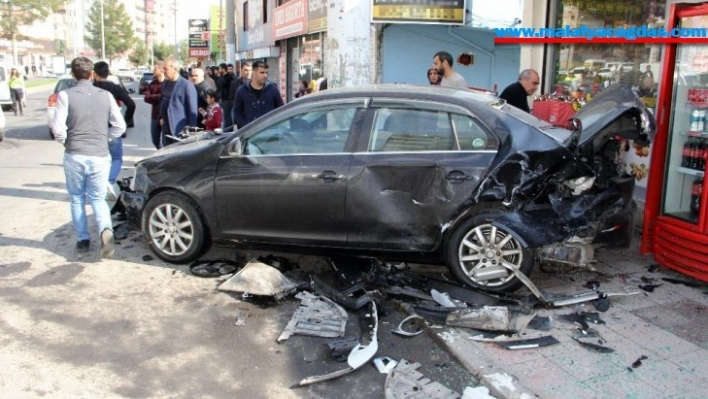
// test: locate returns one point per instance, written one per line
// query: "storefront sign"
(266, 52)
(317, 15)
(449, 12)
(290, 19)
(253, 33)
(218, 28)
(199, 52)
(196, 27)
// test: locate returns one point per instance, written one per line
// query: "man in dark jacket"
(256, 98)
(227, 98)
(196, 76)
(516, 94)
(152, 97)
(101, 71)
(237, 83)
(178, 103)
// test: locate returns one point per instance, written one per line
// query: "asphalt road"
(133, 326)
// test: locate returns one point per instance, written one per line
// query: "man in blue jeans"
(86, 119)
(101, 71)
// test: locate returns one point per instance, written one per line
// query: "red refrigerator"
(676, 214)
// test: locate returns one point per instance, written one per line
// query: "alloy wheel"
(171, 229)
(488, 254)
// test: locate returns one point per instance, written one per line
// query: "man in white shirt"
(442, 61)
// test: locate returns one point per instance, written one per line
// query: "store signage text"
(290, 19)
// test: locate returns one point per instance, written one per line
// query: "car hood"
(616, 111)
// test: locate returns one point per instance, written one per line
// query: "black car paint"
(521, 179)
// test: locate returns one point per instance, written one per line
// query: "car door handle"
(457, 177)
(329, 176)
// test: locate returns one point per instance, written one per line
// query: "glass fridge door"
(688, 130)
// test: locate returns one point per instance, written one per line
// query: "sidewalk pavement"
(666, 330)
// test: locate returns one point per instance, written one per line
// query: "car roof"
(421, 92)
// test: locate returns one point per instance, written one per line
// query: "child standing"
(212, 115)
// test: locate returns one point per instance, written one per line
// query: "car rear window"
(64, 84)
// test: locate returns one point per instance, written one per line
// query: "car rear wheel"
(174, 228)
(483, 256)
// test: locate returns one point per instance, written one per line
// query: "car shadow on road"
(27, 133)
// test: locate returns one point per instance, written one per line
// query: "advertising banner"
(290, 19)
(218, 28)
(317, 15)
(444, 12)
(196, 28)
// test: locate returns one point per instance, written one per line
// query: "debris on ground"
(317, 316)
(637, 362)
(591, 339)
(404, 382)
(212, 267)
(257, 278)
(531, 343)
(362, 353)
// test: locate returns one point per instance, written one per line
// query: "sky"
(189, 9)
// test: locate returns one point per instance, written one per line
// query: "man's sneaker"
(83, 246)
(108, 245)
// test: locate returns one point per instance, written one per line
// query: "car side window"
(471, 135)
(316, 132)
(411, 130)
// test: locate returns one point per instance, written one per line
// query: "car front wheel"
(174, 228)
(483, 256)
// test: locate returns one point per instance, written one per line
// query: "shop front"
(300, 28)
(255, 34)
(577, 72)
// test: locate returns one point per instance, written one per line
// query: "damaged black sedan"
(407, 173)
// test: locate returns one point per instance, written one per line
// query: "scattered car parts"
(317, 316)
(257, 278)
(361, 353)
(405, 382)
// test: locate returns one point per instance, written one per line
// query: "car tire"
(482, 264)
(174, 228)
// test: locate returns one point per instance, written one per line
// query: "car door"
(289, 185)
(417, 169)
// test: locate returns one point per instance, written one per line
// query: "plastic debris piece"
(360, 354)
(686, 283)
(317, 316)
(531, 343)
(257, 278)
(147, 258)
(594, 342)
(491, 318)
(480, 392)
(652, 268)
(341, 347)
(592, 284)
(444, 299)
(541, 323)
(405, 382)
(400, 331)
(385, 364)
(638, 362)
(241, 316)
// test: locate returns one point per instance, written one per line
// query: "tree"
(140, 54)
(162, 50)
(117, 29)
(15, 14)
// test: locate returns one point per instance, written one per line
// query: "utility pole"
(103, 35)
(174, 9)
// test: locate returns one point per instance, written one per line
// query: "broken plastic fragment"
(385, 364)
(257, 278)
(531, 343)
(491, 318)
(592, 341)
(406, 382)
(359, 355)
(400, 331)
(638, 362)
(444, 299)
(317, 316)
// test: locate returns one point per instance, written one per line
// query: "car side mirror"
(236, 147)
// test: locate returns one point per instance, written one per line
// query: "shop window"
(583, 70)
